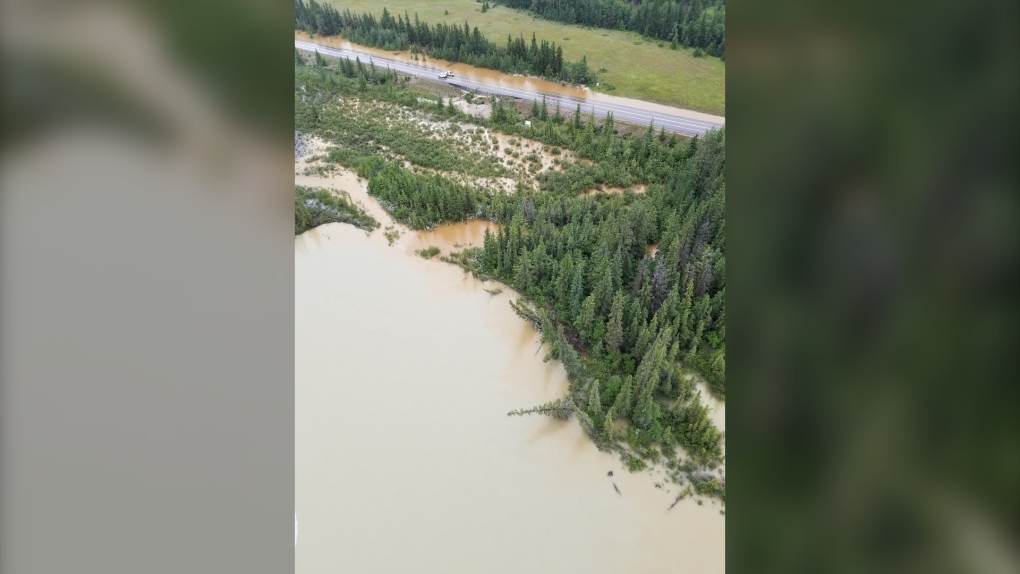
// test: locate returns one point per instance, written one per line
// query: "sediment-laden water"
(405, 458)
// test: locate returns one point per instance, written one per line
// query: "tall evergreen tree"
(585, 322)
(607, 425)
(577, 288)
(594, 402)
(625, 398)
(614, 331)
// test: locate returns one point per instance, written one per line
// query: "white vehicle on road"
(443, 75)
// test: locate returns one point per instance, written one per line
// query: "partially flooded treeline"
(629, 327)
(313, 208)
(444, 41)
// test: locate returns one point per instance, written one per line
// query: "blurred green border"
(872, 238)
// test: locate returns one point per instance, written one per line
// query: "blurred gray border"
(146, 306)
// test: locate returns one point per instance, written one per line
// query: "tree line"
(446, 41)
(699, 24)
(640, 321)
(627, 324)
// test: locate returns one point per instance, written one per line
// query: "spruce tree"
(684, 385)
(585, 321)
(685, 314)
(645, 408)
(624, 399)
(577, 288)
(524, 276)
(607, 426)
(587, 424)
(564, 277)
(594, 402)
(634, 326)
(695, 341)
(668, 440)
(491, 252)
(571, 361)
(614, 331)
(644, 340)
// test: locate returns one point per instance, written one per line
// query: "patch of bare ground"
(637, 188)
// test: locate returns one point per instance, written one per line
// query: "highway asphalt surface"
(671, 121)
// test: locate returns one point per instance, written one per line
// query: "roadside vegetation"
(313, 208)
(627, 63)
(634, 330)
(446, 41)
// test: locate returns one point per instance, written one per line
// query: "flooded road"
(405, 458)
(525, 87)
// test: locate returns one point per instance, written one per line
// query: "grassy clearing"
(636, 67)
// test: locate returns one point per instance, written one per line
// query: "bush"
(429, 252)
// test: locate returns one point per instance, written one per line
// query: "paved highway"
(676, 121)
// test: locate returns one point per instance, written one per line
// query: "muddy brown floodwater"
(517, 82)
(405, 458)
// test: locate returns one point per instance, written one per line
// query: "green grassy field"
(635, 66)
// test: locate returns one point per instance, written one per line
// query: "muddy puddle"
(451, 237)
